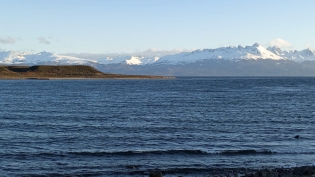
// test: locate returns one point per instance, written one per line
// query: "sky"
(131, 26)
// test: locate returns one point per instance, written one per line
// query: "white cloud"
(7, 40)
(42, 40)
(280, 43)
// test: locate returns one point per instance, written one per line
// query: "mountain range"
(198, 62)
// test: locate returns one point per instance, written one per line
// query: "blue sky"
(113, 26)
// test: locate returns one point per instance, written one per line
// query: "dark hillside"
(46, 72)
(5, 71)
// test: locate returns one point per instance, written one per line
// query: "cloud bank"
(280, 43)
(42, 40)
(7, 40)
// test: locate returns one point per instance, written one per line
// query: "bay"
(187, 125)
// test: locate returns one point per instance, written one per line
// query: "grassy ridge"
(46, 72)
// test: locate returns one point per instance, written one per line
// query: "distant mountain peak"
(255, 52)
(308, 51)
(275, 50)
(240, 47)
(45, 53)
(256, 45)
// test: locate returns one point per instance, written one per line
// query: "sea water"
(186, 125)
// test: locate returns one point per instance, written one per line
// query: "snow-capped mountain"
(14, 57)
(254, 52)
(299, 56)
(130, 60)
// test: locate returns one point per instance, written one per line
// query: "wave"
(190, 152)
(157, 152)
(202, 171)
(176, 152)
(246, 152)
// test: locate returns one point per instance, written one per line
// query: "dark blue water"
(131, 127)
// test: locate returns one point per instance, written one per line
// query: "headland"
(47, 72)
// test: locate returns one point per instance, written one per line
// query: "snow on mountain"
(20, 58)
(130, 60)
(276, 50)
(67, 59)
(298, 56)
(14, 57)
(255, 51)
(141, 60)
(50, 58)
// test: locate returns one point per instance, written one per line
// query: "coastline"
(88, 78)
(68, 72)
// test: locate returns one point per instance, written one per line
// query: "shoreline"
(48, 72)
(83, 78)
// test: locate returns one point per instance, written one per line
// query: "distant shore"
(43, 72)
(86, 78)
